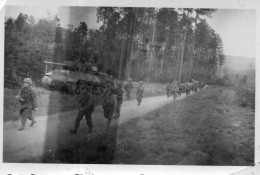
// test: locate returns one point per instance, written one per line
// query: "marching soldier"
(175, 89)
(128, 88)
(139, 93)
(109, 104)
(86, 107)
(28, 100)
(168, 90)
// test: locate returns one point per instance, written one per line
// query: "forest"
(155, 44)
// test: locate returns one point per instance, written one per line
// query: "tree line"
(158, 44)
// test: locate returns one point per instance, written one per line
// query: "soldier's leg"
(109, 117)
(30, 117)
(80, 115)
(89, 120)
(140, 101)
(24, 114)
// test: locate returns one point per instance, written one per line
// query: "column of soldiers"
(112, 102)
(176, 88)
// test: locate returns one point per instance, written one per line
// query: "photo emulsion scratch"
(129, 85)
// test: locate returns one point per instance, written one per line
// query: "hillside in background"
(238, 63)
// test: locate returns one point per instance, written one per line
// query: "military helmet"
(28, 80)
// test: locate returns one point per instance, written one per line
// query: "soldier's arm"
(34, 98)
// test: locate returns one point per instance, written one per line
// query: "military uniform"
(28, 100)
(86, 109)
(128, 89)
(139, 94)
(168, 90)
(109, 105)
(175, 89)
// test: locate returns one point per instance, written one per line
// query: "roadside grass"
(207, 128)
(204, 129)
(51, 102)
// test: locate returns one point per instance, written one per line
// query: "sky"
(236, 27)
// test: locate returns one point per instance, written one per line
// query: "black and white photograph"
(129, 85)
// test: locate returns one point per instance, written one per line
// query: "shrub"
(245, 96)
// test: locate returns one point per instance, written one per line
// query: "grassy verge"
(207, 128)
(204, 129)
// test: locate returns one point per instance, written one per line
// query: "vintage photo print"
(126, 85)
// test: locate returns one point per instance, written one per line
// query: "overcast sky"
(235, 27)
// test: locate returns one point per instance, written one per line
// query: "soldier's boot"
(74, 131)
(22, 127)
(90, 130)
(33, 122)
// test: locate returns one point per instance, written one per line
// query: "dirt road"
(53, 130)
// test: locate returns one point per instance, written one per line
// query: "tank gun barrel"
(48, 62)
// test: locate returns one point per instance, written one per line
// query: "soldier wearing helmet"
(128, 89)
(28, 100)
(109, 104)
(86, 107)
(139, 93)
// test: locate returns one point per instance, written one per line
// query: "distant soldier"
(175, 89)
(168, 90)
(187, 89)
(86, 107)
(109, 104)
(179, 89)
(195, 87)
(140, 93)
(128, 89)
(28, 100)
(119, 94)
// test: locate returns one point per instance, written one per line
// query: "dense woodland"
(139, 43)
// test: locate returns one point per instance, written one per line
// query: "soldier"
(128, 88)
(109, 104)
(28, 100)
(139, 93)
(86, 107)
(119, 94)
(168, 90)
(175, 89)
(187, 89)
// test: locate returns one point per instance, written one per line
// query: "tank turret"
(66, 77)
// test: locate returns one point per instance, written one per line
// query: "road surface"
(51, 131)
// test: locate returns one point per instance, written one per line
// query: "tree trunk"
(192, 48)
(182, 53)
(151, 49)
(121, 58)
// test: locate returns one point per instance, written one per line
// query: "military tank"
(66, 78)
